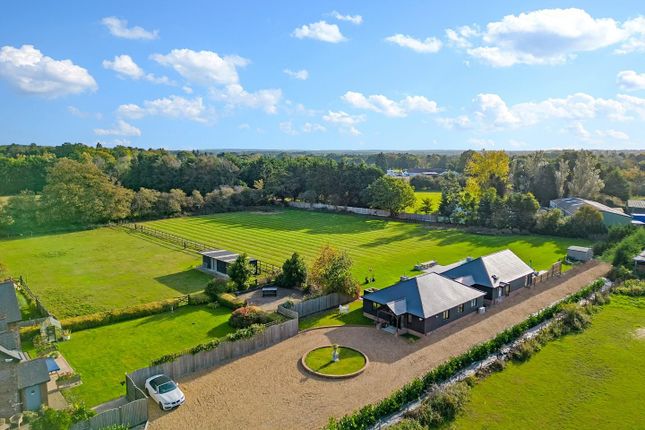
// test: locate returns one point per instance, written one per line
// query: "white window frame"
(473, 303)
(446, 314)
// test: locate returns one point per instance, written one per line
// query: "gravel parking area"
(269, 389)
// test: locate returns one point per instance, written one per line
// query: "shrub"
(240, 272)
(52, 419)
(632, 287)
(245, 333)
(294, 272)
(575, 318)
(199, 299)
(442, 406)
(407, 424)
(229, 301)
(248, 315)
(524, 350)
(80, 412)
(217, 286)
(213, 305)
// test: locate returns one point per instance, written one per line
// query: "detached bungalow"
(496, 274)
(421, 304)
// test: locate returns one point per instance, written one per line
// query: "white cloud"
(287, 128)
(125, 66)
(614, 134)
(381, 104)
(171, 107)
(119, 28)
(203, 67)
(312, 127)
(493, 113)
(234, 95)
(629, 80)
(121, 128)
(482, 143)
(80, 114)
(635, 41)
(187, 89)
(579, 130)
(354, 19)
(460, 37)
(346, 122)
(302, 75)
(28, 70)
(244, 126)
(546, 36)
(320, 30)
(428, 46)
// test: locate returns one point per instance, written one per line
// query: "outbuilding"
(216, 261)
(579, 253)
(639, 263)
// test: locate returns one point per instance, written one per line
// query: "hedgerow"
(372, 413)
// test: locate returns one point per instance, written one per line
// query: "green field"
(96, 270)
(103, 355)
(434, 196)
(389, 248)
(592, 380)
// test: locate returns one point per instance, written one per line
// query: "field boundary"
(190, 244)
(404, 216)
(315, 305)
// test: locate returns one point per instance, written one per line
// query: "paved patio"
(271, 303)
(269, 390)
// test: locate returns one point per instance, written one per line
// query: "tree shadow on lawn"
(186, 282)
(305, 222)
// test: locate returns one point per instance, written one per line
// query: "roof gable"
(490, 270)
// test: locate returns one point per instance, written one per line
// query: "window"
(446, 315)
(409, 319)
(473, 303)
(499, 292)
(460, 308)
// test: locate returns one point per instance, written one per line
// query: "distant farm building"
(636, 206)
(639, 263)
(579, 253)
(610, 216)
(217, 261)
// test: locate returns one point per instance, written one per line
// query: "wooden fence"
(191, 244)
(190, 363)
(132, 392)
(30, 294)
(312, 306)
(131, 414)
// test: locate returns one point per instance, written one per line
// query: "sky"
(325, 75)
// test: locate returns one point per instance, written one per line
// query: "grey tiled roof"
(490, 270)
(636, 204)
(424, 296)
(9, 302)
(32, 372)
(221, 255)
(570, 206)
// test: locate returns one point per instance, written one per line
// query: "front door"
(32, 399)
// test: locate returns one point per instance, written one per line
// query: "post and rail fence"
(265, 267)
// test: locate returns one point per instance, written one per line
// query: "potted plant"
(67, 334)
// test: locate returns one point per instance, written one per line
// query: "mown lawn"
(434, 196)
(389, 248)
(96, 270)
(593, 380)
(103, 355)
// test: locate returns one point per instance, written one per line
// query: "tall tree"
(240, 271)
(585, 177)
(561, 176)
(616, 184)
(391, 194)
(79, 193)
(487, 169)
(450, 191)
(331, 272)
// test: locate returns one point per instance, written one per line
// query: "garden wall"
(367, 211)
(314, 305)
(204, 360)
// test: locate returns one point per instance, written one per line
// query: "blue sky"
(324, 75)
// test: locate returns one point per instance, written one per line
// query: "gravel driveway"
(269, 389)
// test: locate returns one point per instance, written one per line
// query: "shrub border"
(414, 390)
(328, 376)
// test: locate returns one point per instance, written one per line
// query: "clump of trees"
(331, 273)
(391, 194)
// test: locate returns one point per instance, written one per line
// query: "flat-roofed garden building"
(216, 261)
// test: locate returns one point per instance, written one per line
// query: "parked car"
(165, 392)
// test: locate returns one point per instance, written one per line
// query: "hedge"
(229, 300)
(243, 333)
(371, 414)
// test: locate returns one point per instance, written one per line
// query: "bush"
(229, 301)
(294, 272)
(51, 419)
(80, 412)
(248, 315)
(524, 350)
(217, 286)
(575, 318)
(199, 299)
(407, 424)
(632, 287)
(442, 406)
(245, 333)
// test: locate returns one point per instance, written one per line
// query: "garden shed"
(579, 253)
(51, 329)
(216, 261)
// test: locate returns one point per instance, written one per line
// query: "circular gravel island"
(319, 361)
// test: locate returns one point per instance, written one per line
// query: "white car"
(165, 392)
